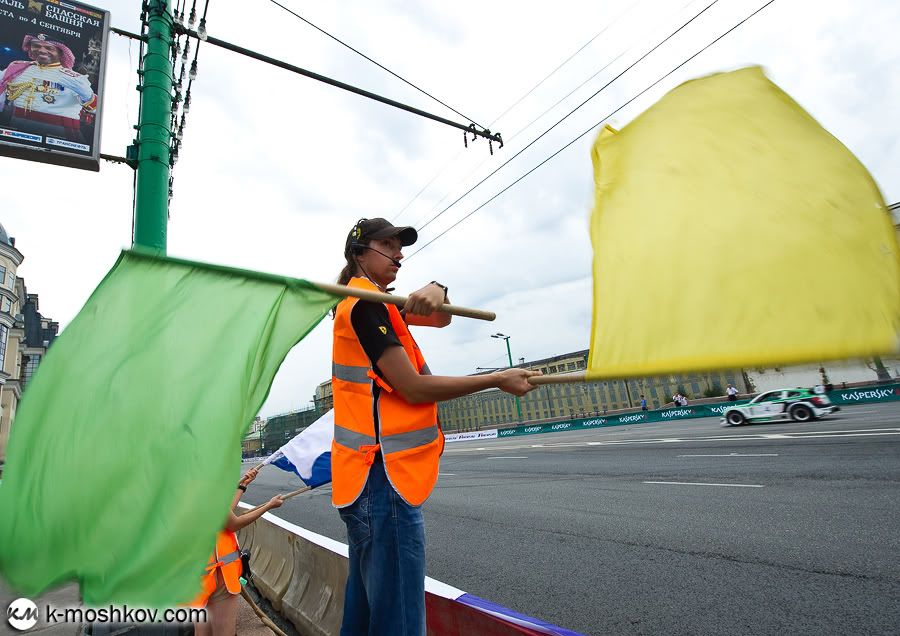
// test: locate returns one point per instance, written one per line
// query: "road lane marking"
(506, 457)
(736, 455)
(747, 437)
(447, 474)
(696, 483)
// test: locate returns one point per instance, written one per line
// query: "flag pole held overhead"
(378, 297)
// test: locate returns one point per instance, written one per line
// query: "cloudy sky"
(276, 168)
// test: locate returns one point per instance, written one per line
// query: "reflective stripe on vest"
(351, 439)
(231, 557)
(411, 439)
(347, 373)
(389, 443)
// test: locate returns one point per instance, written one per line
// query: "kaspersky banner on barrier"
(883, 393)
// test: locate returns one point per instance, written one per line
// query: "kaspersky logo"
(22, 614)
(678, 413)
(875, 394)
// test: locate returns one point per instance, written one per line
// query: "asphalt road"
(794, 532)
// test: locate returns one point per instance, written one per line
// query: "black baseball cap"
(368, 229)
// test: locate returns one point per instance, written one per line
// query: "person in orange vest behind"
(221, 584)
(387, 439)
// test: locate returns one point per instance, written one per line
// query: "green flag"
(125, 451)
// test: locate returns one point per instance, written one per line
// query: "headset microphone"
(359, 247)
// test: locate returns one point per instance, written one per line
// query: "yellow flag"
(731, 230)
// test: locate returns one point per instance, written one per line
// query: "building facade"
(12, 333)
(324, 398)
(25, 336)
(280, 428)
(493, 407)
(40, 332)
(251, 445)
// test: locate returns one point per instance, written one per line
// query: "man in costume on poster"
(43, 95)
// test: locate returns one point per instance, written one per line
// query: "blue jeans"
(386, 582)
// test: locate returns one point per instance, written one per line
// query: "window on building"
(2, 274)
(7, 305)
(31, 366)
(4, 335)
(571, 366)
(10, 280)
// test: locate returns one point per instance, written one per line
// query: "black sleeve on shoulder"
(373, 328)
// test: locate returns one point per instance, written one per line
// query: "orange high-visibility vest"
(227, 559)
(410, 440)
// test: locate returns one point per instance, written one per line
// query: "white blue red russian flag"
(308, 454)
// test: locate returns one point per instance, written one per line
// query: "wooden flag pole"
(284, 497)
(560, 378)
(379, 297)
(296, 492)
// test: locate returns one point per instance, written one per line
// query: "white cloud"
(276, 168)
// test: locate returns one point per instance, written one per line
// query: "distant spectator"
(643, 403)
(731, 392)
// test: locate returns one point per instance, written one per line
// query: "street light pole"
(509, 355)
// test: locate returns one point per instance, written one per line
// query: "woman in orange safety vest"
(387, 439)
(221, 583)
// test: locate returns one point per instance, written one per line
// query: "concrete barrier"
(314, 601)
(313, 598)
(272, 562)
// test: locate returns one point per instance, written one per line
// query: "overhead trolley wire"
(570, 113)
(379, 65)
(523, 129)
(567, 60)
(470, 129)
(593, 127)
(569, 94)
(512, 106)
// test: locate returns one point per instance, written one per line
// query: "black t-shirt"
(373, 328)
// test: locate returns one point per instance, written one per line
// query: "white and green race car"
(798, 404)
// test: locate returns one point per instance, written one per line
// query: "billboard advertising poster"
(52, 61)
